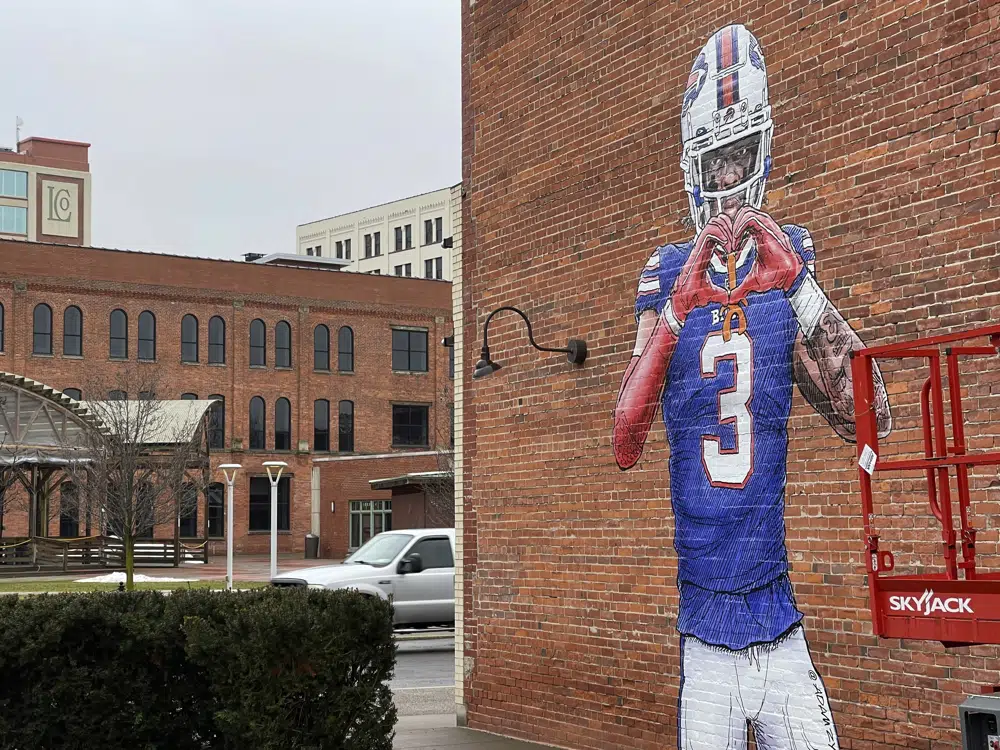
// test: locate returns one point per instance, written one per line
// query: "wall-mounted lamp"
(576, 349)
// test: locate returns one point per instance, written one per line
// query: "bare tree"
(148, 466)
(439, 487)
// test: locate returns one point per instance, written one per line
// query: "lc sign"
(60, 208)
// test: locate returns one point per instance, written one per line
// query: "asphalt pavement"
(424, 680)
(424, 691)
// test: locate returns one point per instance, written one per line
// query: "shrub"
(197, 670)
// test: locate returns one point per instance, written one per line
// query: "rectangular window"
(368, 246)
(439, 268)
(438, 228)
(399, 270)
(309, 251)
(216, 511)
(409, 350)
(378, 243)
(319, 251)
(340, 249)
(13, 220)
(409, 236)
(189, 513)
(69, 511)
(368, 518)
(399, 238)
(429, 269)
(408, 269)
(428, 232)
(13, 184)
(347, 249)
(409, 425)
(260, 504)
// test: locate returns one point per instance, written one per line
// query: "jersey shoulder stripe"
(657, 277)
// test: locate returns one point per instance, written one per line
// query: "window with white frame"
(13, 220)
(368, 518)
(13, 184)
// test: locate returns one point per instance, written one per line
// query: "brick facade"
(99, 281)
(886, 121)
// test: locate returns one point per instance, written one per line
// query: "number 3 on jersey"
(730, 467)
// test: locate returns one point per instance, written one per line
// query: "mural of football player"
(727, 323)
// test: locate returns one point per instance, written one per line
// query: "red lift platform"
(959, 606)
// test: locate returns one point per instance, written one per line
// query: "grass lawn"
(70, 586)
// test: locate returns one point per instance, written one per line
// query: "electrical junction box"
(980, 718)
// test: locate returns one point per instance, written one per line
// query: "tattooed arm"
(822, 365)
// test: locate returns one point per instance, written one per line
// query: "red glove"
(693, 288)
(777, 266)
(644, 378)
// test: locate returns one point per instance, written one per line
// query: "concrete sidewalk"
(433, 731)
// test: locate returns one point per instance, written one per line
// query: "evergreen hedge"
(197, 670)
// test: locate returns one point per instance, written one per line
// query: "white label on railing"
(867, 460)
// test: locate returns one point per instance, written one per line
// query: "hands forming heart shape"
(777, 265)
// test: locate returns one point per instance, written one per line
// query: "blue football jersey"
(725, 405)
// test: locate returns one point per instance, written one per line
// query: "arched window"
(321, 425)
(189, 339)
(216, 341)
(282, 425)
(73, 393)
(73, 331)
(189, 396)
(216, 511)
(147, 336)
(321, 348)
(217, 422)
(345, 349)
(42, 343)
(257, 423)
(258, 344)
(118, 340)
(346, 441)
(282, 345)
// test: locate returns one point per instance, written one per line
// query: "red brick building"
(885, 120)
(308, 364)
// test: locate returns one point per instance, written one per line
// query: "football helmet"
(726, 115)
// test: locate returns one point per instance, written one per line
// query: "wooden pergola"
(44, 442)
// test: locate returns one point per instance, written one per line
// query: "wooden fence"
(19, 555)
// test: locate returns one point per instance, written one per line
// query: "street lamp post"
(279, 465)
(226, 468)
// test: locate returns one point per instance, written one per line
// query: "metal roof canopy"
(40, 425)
(175, 421)
(414, 479)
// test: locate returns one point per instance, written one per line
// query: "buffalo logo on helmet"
(696, 80)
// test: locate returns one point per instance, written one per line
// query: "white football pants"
(775, 687)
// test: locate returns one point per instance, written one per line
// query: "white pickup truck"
(413, 567)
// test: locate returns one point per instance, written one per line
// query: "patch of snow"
(119, 577)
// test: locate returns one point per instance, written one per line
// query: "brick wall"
(886, 119)
(344, 481)
(99, 281)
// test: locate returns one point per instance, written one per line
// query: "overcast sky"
(217, 126)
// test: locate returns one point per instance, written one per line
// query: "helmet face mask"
(726, 126)
(730, 172)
